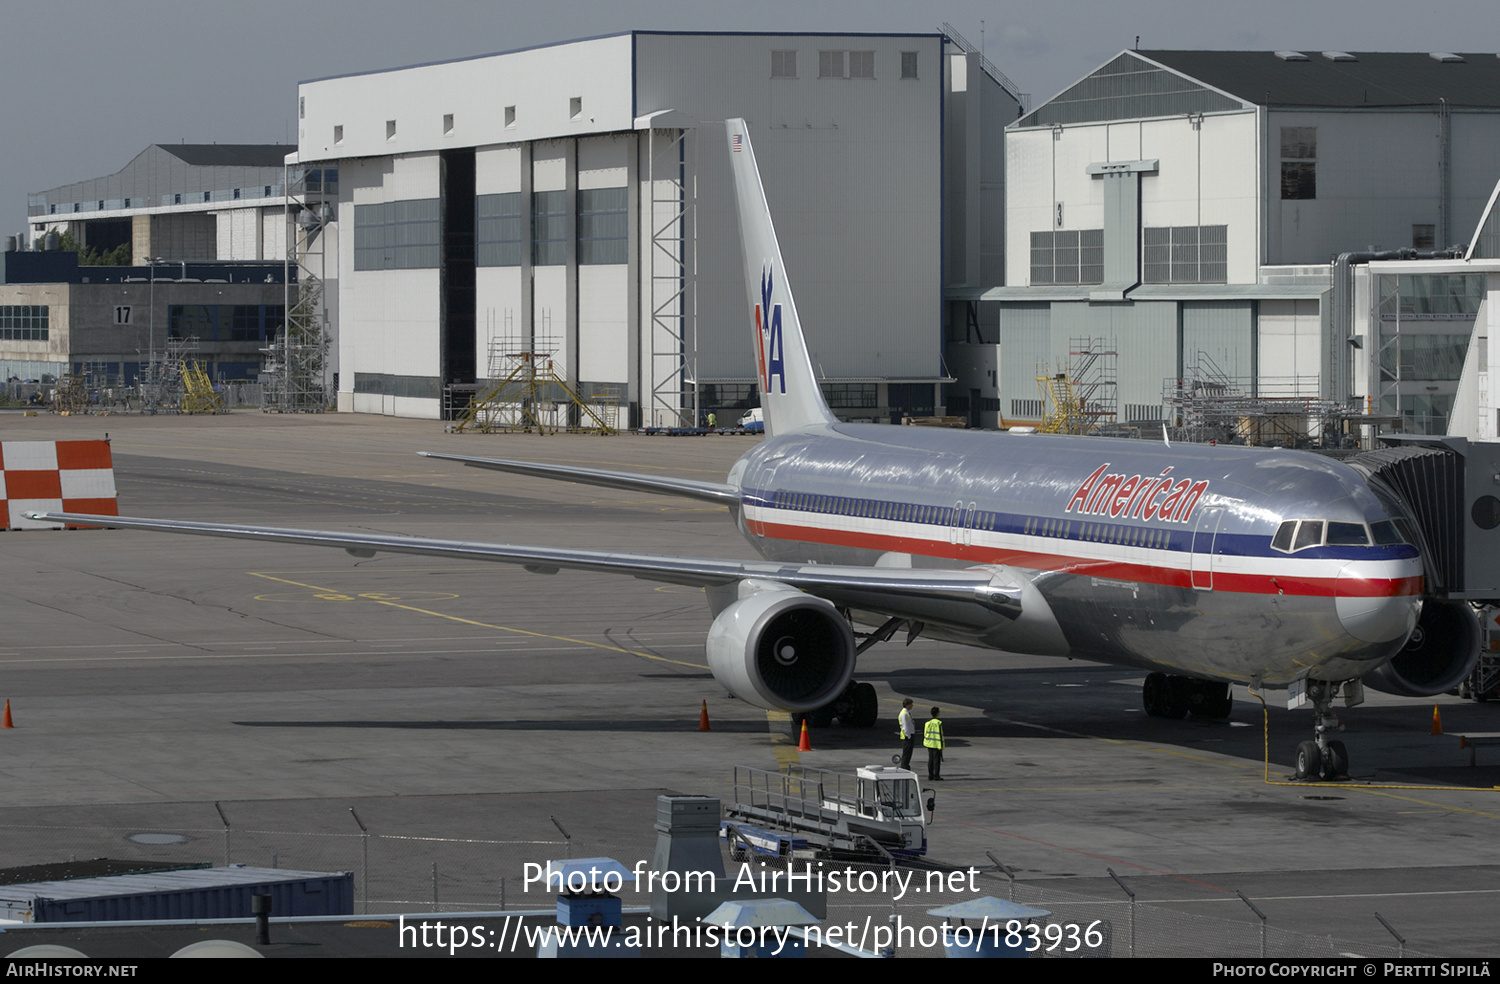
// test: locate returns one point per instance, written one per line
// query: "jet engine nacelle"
(779, 648)
(1438, 654)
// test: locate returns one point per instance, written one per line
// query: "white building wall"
(499, 291)
(540, 83)
(239, 234)
(390, 317)
(1291, 347)
(1206, 176)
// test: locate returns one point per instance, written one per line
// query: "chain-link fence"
(413, 874)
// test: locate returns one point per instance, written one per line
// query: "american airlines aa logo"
(768, 337)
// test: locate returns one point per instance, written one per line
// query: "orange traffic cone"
(1437, 721)
(6, 722)
(806, 744)
(703, 718)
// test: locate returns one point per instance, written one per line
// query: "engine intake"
(1438, 655)
(781, 649)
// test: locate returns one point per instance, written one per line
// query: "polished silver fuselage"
(1145, 554)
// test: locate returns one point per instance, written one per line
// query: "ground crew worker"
(932, 737)
(907, 733)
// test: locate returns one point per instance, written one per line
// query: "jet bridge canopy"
(1450, 489)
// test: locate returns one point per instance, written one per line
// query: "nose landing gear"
(1326, 759)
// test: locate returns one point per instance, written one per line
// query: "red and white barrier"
(55, 476)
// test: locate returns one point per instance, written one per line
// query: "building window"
(447, 124)
(390, 129)
(1423, 237)
(861, 64)
(549, 228)
(510, 116)
(603, 225)
(783, 64)
(1067, 256)
(499, 237)
(908, 64)
(831, 64)
(403, 235)
(575, 108)
(1299, 155)
(23, 322)
(200, 321)
(849, 395)
(1187, 255)
(338, 134)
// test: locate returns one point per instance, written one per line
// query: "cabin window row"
(1130, 536)
(900, 512)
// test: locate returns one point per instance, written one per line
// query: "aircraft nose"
(1375, 607)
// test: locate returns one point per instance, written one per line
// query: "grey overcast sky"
(90, 83)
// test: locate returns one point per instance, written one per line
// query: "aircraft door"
(1205, 537)
(962, 529)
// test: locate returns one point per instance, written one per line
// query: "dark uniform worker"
(932, 737)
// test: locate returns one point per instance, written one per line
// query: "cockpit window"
(1293, 535)
(1347, 535)
(1309, 534)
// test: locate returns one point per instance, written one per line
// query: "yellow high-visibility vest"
(932, 734)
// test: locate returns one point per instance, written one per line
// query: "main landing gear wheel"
(1173, 697)
(1164, 696)
(865, 709)
(857, 707)
(1335, 761)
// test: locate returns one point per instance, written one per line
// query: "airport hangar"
(208, 231)
(1219, 215)
(573, 199)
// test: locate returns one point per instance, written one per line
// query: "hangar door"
(1218, 341)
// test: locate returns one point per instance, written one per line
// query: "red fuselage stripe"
(1270, 584)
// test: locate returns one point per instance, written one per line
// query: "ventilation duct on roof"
(1291, 56)
(1339, 56)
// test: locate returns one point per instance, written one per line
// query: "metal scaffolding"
(1207, 404)
(294, 364)
(530, 394)
(1081, 398)
(671, 174)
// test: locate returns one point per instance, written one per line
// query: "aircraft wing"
(718, 493)
(893, 591)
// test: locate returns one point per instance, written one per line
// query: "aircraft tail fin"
(789, 394)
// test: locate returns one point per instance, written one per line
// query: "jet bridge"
(1449, 488)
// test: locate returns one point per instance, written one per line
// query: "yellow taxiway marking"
(362, 596)
(1436, 806)
(488, 625)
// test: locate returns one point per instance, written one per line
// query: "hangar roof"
(1140, 84)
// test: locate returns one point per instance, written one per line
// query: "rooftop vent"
(1339, 56)
(1291, 56)
(1444, 56)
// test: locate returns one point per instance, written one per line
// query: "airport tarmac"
(151, 676)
